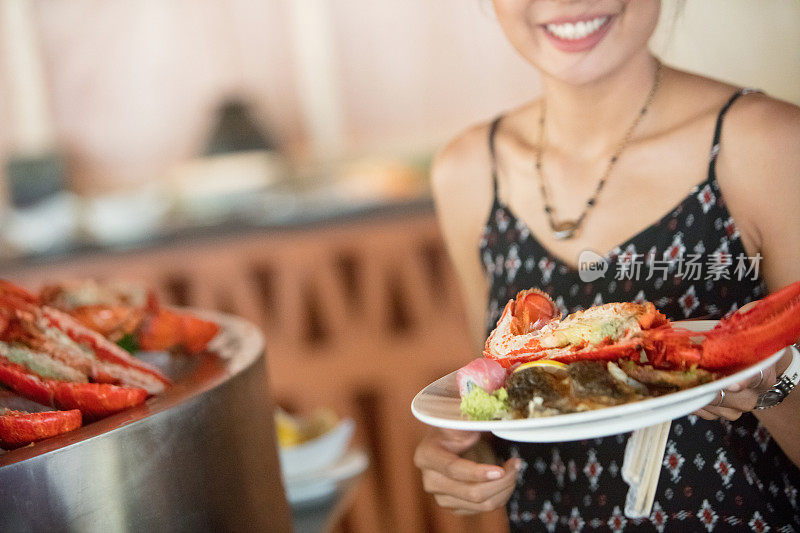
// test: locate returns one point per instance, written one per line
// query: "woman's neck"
(591, 119)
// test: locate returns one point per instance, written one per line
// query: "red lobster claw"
(745, 338)
(739, 340)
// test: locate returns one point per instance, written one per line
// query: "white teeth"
(580, 30)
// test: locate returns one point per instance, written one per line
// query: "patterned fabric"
(716, 475)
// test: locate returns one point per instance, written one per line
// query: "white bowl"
(49, 225)
(324, 482)
(318, 453)
(125, 217)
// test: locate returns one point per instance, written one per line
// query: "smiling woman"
(650, 168)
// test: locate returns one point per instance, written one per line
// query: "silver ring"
(721, 399)
(760, 380)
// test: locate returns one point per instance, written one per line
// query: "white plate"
(438, 405)
(324, 482)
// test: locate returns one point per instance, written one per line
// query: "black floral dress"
(716, 475)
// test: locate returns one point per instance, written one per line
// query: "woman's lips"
(577, 35)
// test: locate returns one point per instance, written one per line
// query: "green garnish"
(128, 343)
(480, 405)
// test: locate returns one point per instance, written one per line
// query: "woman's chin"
(582, 73)
(588, 69)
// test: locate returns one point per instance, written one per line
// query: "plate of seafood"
(606, 370)
(66, 355)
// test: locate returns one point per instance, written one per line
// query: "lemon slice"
(542, 363)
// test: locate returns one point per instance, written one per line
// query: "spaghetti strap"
(715, 144)
(492, 154)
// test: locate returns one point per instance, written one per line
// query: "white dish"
(49, 225)
(318, 453)
(438, 405)
(125, 217)
(324, 482)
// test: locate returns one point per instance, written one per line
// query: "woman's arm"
(462, 189)
(759, 171)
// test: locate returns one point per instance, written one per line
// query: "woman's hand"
(464, 486)
(740, 397)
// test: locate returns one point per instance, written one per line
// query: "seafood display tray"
(200, 456)
(438, 405)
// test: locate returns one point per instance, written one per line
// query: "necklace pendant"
(565, 230)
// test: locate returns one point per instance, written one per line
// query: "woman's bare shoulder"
(462, 170)
(761, 141)
(760, 158)
(759, 166)
(765, 124)
(760, 135)
(754, 118)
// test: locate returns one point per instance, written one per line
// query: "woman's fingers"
(712, 413)
(760, 382)
(740, 401)
(740, 397)
(436, 454)
(454, 467)
(705, 415)
(746, 307)
(439, 452)
(460, 484)
(475, 492)
(730, 405)
(478, 497)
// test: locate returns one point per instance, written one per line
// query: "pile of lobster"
(58, 349)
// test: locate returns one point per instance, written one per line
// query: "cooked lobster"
(118, 311)
(48, 357)
(530, 328)
(18, 428)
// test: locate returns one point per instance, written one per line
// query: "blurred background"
(270, 158)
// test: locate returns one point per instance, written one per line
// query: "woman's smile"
(577, 34)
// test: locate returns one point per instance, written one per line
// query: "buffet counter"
(276, 212)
